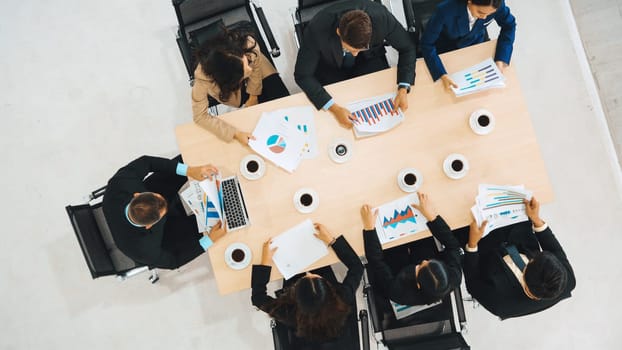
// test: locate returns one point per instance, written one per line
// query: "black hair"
(221, 60)
(545, 276)
(433, 280)
(493, 3)
(145, 208)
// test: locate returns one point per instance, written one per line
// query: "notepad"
(297, 249)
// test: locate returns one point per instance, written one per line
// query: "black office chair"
(285, 339)
(102, 256)
(200, 20)
(436, 328)
(305, 11)
(417, 13)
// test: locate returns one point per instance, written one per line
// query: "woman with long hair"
(461, 23)
(232, 69)
(314, 305)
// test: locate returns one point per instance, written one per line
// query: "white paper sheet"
(278, 140)
(375, 115)
(397, 219)
(297, 249)
(302, 119)
(482, 76)
(402, 311)
(500, 205)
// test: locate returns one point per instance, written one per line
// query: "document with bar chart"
(500, 205)
(375, 115)
(398, 219)
(482, 76)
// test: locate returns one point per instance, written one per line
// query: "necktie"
(348, 61)
(516, 258)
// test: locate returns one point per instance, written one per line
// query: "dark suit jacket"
(492, 283)
(401, 287)
(321, 43)
(448, 29)
(141, 245)
(345, 289)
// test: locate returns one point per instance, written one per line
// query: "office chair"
(102, 256)
(305, 11)
(285, 339)
(417, 13)
(436, 328)
(200, 20)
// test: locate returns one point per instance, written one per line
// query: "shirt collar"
(472, 19)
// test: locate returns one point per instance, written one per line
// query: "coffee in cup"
(306, 199)
(238, 255)
(457, 165)
(341, 150)
(483, 120)
(410, 179)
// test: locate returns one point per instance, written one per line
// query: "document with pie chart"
(279, 141)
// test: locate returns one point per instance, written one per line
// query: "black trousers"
(272, 88)
(328, 74)
(180, 231)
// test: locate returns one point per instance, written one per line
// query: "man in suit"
(461, 23)
(146, 218)
(507, 272)
(347, 40)
(407, 274)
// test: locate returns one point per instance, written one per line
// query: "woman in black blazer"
(314, 305)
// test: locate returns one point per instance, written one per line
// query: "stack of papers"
(375, 115)
(398, 219)
(286, 136)
(298, 248)
(202, 200)
(500, 205)
(482, 76)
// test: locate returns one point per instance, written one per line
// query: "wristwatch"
(407, 87)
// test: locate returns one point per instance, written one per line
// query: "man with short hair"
(509, 274)
(146, 218)
(347, 40)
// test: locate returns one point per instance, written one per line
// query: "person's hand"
(501, 66)
(243, 137)
(369, 217)
(322, 233)
(252, 100)
(532, 208)
(267, 253)
(401, 99)
(476, 232)
(343, 116)
(448, 83)
(425, 206)
(217, 232)
(202, 172)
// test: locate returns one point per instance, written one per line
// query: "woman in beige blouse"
(232, 70)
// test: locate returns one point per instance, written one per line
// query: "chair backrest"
(418, 13)
(102, 256)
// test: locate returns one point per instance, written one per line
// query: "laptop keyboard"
(232, 202)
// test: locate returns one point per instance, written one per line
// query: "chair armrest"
(409, 13)
(459, 305)
(178, 2)
(97, 193)
(273, 47)
(364, 329)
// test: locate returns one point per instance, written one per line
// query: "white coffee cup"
(482, 122)
(455, 166)
(409, 179)
(252, 167)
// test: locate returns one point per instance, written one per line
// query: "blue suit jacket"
(448, 29)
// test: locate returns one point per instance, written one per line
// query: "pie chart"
(276, 143)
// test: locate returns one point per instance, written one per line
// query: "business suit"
(172, 241)
(398, 283)
(320, 58)
(492, 283)
(448, 29)
(346, 290)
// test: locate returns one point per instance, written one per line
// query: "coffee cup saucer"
(260, 171)
(302, 208)
(332, 153)
(478, 129)
(406, 187)
(450, 172)
(248, 255)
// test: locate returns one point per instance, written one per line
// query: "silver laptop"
(232, 203)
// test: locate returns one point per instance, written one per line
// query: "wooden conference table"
(435, 126)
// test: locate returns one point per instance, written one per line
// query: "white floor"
(86, 86)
